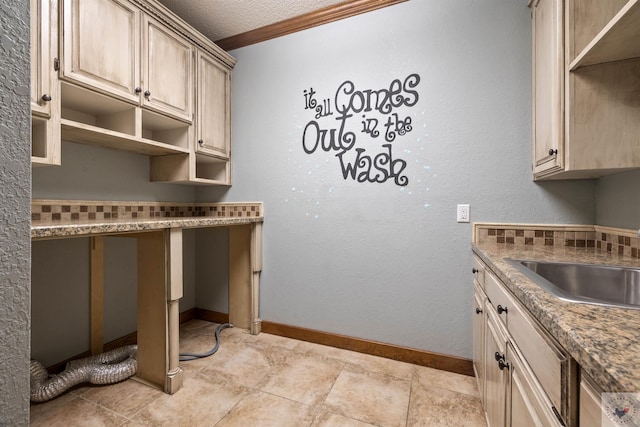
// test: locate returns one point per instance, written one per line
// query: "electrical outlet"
(463, 213)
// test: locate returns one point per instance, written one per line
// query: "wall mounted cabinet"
(586, 59)
(128, 81)
(45, 102)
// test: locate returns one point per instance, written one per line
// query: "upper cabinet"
(101, 46)
(548, 87)
(167, 70)
(45, 101)
(213, 107)
(586, 114)
(128, 80)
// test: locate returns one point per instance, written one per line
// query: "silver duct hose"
(105, 368)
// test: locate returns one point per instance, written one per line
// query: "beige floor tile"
(329, 419)
(381, 365)
(202, 401)
(269, 340)
(429, 377)
(242, 363)
(322, 351)
(438, 407)
(126, 398)
(371, 397)
(261, 409)
(71, 411)
(305, 379)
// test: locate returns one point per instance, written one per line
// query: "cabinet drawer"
(499, 299)
(478, 271)
(547, 361)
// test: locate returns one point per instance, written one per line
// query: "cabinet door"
(478, 337)
(495, 378)
(167, 71)
(101, 46)
(528, 406)
(548, 86)
(213, 107)
(42, 54)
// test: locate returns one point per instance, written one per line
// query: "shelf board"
(92, 135)
(618, 40)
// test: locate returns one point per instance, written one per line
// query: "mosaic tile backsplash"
(65, 211)
(622, 242)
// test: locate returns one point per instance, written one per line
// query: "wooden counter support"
(245, 264)
(97, 295)
(159, 289)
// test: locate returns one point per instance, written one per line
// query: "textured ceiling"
(219, 19)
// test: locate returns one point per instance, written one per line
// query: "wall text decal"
(379, 121)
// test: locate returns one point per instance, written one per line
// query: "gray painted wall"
(618, 200)
(380, 261)
(15, 236)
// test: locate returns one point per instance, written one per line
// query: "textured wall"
(378, 260)
(618, 200)
(15, 181)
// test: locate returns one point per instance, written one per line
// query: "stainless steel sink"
(585, 283)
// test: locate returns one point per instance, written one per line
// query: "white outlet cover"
(463, 213)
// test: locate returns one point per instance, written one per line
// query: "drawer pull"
(501, 309)
(478, 310)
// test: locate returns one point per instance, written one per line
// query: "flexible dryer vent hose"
(106, 368)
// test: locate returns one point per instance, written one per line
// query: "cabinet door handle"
(147, 94)
(552, 151)
(46, 97)
(474, 270)
(502, 364)
(498, 356)
(200, 142)
(478, 310)
(138, 90)
(501, 309)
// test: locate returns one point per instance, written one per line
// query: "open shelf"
(100, 137)
(618, 40)
(183, 168)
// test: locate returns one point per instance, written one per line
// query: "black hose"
(184, 357)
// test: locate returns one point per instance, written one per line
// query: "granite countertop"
(44, 230)
(604, 341)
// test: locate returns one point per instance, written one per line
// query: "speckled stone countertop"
(50, 230)
(604, 341)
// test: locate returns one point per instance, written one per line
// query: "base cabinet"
(524, 377)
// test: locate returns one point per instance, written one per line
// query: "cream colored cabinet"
(105, 49)
(127, 81)
(479, 323)
(586, 58)
(495, 400)
(213, 119)
(45, 99)
(548, 86)
(528, 379)
(591, 408)
(167, 70)
(101, 46)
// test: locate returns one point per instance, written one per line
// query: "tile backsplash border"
(75, 211)
(614, 240)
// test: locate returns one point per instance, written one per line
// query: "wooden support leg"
(97, 295)
(159, 289)
(245, 264)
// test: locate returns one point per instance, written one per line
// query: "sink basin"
(585, 283)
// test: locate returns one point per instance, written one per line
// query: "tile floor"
(267, 380)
